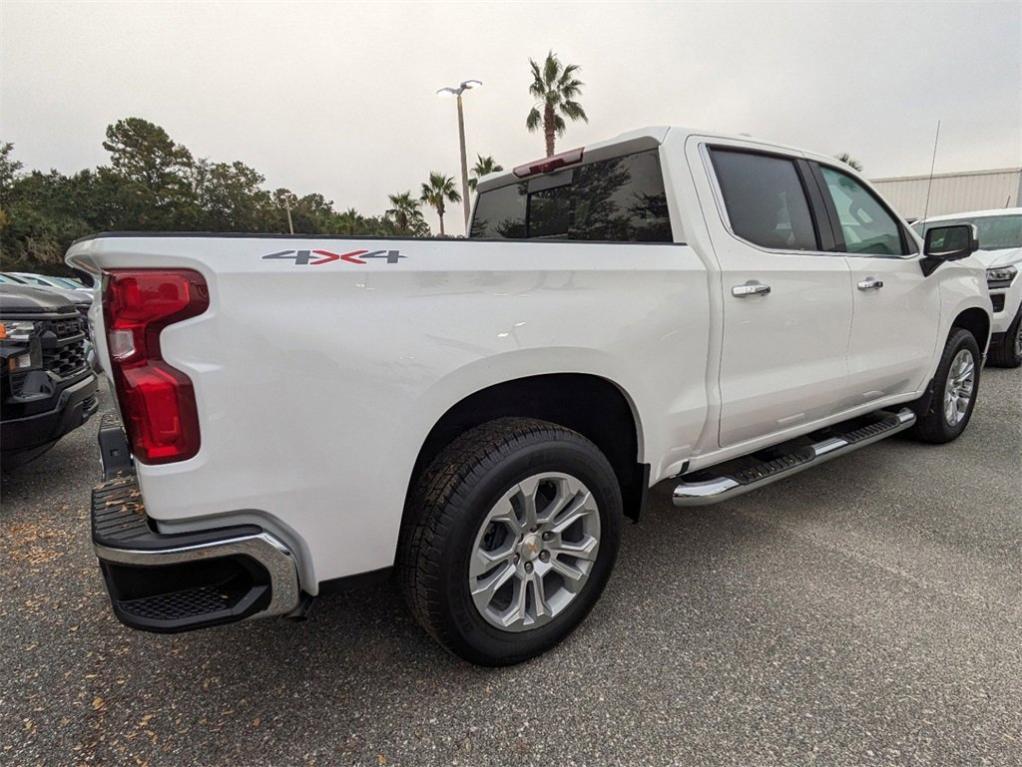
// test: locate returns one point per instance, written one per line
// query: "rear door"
(786, 300)
(896, 309)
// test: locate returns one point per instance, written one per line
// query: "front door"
(787, 304)
(896, 310)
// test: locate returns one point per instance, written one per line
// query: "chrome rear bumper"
(168, 583)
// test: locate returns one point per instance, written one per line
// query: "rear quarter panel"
(318, 383)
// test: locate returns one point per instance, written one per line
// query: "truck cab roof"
(648, 138)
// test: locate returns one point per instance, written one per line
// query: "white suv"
(1000, 242)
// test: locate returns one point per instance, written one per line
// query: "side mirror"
(948, 243)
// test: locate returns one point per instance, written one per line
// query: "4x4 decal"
(318, 257)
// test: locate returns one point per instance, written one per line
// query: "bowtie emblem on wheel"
(320, 257)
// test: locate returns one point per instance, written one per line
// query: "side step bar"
(737, 477)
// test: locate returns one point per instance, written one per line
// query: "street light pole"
(290, 223)
(466, 85)
(464, 161)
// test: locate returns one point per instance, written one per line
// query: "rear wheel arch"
(591, 405)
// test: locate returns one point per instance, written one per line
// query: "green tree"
(43, 215)
(152, 182)
(162, 171)
(437, 193)
(230, 198)
(406, 213)
(850, 161)
(350, 222)
(9, 171)
(314, 214)
(142, 151)
(555, 88)
(483, 166)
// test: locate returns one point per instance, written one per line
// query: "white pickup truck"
(480, 415)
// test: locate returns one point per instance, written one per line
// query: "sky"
(340, 98)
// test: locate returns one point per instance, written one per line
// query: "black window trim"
(908, 244)
(821, 224)
(817, 206)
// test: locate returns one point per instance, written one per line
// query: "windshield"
(7, 279)
(31, 279)
(64, 282)
(995, 232)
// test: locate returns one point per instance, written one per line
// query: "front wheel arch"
(977, 322)
(931, 425)
(974, 321)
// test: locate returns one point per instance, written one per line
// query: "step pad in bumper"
(206, 603)
(169, 583)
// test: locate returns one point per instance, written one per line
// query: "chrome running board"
(733, 478)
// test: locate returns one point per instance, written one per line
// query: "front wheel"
(943, 415)
(509, 539)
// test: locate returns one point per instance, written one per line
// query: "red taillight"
(157, 401)
(548, 164)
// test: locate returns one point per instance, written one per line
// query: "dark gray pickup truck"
(47, 387)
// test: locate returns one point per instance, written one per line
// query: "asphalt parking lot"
(868, 612)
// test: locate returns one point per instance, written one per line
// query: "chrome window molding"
(718, 198)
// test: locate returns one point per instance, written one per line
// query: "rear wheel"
(1007, 353)
(944, 414)
(510, 537)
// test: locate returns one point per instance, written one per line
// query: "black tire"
(1005, 353)
(445, 511)
(931, 423)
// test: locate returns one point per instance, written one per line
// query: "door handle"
(871, 283)
(750, 288)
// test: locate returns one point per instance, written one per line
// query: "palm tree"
(405, 211)
(850, 161)
(350, 222)
(437, 192)
(483, 166)
(555, 88)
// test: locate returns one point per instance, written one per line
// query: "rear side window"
(866, 225)
(765, 200)
(618, 200)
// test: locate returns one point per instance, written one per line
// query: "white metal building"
(953, 192)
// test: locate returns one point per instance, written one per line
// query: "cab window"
(765, 200)
(616, 200)
(866, 226)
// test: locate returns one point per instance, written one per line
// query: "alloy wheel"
(958, 390)
(534, 551)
